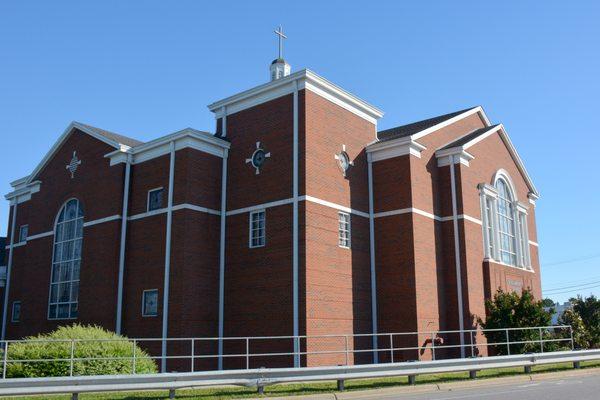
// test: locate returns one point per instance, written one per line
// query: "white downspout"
(165, 316)
(123, 243)
(222, 244)
(9, 267)
(461, 322)
(372, 253)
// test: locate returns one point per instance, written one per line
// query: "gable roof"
(465, 140)
(463, 143)
(419, 126)
(113, 139)
(112, 136)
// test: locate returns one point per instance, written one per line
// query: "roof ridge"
(417, 126)
(117, 137)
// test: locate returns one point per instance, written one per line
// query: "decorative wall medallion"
(258, 158)
(73, 164)
(344, 160)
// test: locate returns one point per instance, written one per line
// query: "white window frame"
(21, 228)
(344, 233)
(59, 241)
(488, 195)
(491, 226)
(148, 199)
(12, 311)
(144, 293)
(525, 253)
(252, 230)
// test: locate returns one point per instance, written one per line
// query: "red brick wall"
(338, 294)
(99, 190)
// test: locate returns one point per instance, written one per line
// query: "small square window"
(23, 233)
(16, 311)
(257, 229)
(150, 303)
(344, 230)
(155, 199)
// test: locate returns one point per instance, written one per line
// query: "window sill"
(524, 269)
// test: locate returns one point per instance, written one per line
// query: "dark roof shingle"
(467, 138)
(415, 127)
(127, 141)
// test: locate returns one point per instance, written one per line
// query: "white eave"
(383, 150)
(188, 137)
(459, 154)
(304, 79)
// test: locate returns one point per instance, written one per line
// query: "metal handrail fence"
(428, 345)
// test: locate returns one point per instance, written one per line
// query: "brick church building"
(295, 217)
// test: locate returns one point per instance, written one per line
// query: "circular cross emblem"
(258, 158)
(343, 160)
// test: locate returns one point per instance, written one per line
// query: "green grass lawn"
(315, 388)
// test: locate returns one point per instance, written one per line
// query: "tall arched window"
(66, 261)
(506, 223)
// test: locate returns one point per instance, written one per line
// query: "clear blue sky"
(148, 68)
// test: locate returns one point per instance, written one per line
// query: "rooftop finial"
(279, 68)
(279, 32)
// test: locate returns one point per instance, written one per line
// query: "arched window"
(66, 261)
(506, 223)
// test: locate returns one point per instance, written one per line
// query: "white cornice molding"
(378, 151)
(455, 155)
(474, 110)
(304, 79)
(488, 190)
(23, 192)
(186, 138)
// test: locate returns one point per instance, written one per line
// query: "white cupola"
(279, 68)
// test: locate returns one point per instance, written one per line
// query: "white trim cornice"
(394, 148)
(185, 138)
(453, 156)
(304, 79)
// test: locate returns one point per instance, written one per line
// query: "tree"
(511, 310)
(581, 337)
(98, 352)
(589, 311)
(548, 303)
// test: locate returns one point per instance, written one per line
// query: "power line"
(573, 290)
(591, 257)
(578, 281)
(572, 286)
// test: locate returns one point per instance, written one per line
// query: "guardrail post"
(171, 394)
(412, 379)
(133, 360)
(72, 356)
(507, 342)
(572, 342)
(541, 341)
(391, 348)
(346, 344)
(527, 369)
(472, 374)
(193, 355)
(75, 396)
(340, 385)
(5, 358)
(247, 353)
(577, 364)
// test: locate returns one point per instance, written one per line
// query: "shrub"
(589, 311)
(581, 336)
(91, 342)
(511, 310)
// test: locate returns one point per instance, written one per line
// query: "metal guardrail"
(248, 352)
(263, 377)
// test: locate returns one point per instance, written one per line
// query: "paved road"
(577, 388)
